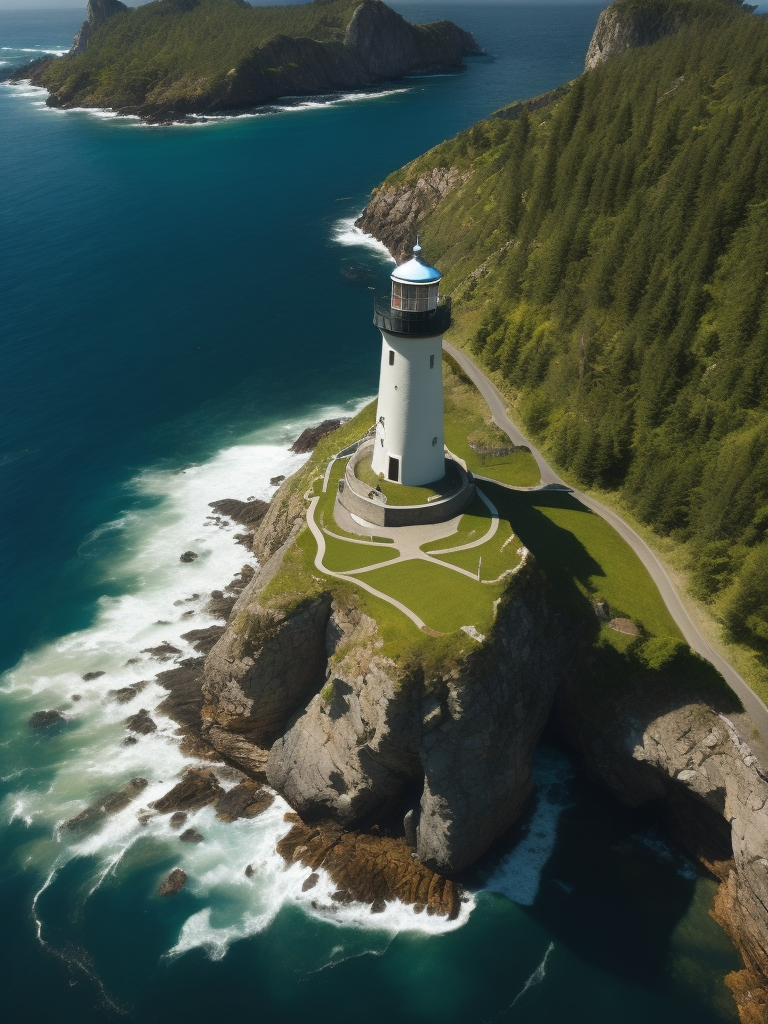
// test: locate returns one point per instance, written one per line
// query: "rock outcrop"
(354, 733)
(370, 869)
(650, 741)
(626, 25)
(394, 216)
(97, 12)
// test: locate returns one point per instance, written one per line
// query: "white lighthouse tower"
(408, 448)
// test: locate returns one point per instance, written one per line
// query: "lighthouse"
(408, 446)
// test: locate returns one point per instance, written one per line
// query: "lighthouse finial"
(417, 247)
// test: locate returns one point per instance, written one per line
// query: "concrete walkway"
(317, 533)
(407, 541)
(754, 706)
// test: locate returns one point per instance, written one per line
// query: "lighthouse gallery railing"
(403, 321)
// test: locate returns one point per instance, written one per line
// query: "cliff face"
(354, 734)
(157, 61)
(98, 11)
(628, 24)
(645, 743)
(394, 215)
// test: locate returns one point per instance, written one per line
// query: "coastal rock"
(203, 640)
(141, 723)
(126, 693)
(466, 735)
(653, 741)
(174, 883)
(191, 835)
(247, 513)
(189, 556)
(108, 804)
(367, 868)
(264, 667)
(42, 720)
(163, 652)
(275, 481)
(309, 439)
(177, 819)
(97, 12)
(243, 801)
(624, 26)
(198, 787)
(393, 216)
(93, 675)
(184, 699)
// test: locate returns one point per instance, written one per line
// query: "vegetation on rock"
(171, 57)
(619, 294)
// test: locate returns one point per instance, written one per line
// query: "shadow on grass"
(562, 556)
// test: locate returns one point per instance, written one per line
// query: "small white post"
(479, 566)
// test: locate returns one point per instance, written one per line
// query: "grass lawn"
(341, 556)
(400, 494)
(466, 414)
(473, 524)
(444, 599)
(496, 557)
(584, 556)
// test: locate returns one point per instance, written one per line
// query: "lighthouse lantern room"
(408, 447)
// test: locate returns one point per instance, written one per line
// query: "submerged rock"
(174, 883)
(108, 804)
(191, 835)
(189, 556)
(42, 720)
(126, 693)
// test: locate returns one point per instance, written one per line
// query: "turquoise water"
(177, 307)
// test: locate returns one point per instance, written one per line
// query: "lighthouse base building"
(408, 446)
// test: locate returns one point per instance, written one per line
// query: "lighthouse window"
(431, 362)
(434, 441)
(391, 358)
(414, 297)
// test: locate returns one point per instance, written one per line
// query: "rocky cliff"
(649, 739)
(97, 13)
(627, 24)
(405, 767)
(355, 734)
(174, 57)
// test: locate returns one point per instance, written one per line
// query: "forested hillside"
(608, 257)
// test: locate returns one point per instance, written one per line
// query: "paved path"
(317, 533)
(755, 708)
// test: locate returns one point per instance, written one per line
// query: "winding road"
(753, 705)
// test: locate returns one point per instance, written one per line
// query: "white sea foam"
(33, 49)
(346, 233)
(161, 599)
(519, 874)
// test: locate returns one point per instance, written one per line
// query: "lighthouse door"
(394, 469)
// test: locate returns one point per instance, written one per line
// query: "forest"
(608, 258)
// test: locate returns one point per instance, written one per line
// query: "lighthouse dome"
(416, 270)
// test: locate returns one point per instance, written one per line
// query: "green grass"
(584, 557)
(444, 599)
(341, 556)
(324, 511)
(472, 525)
(495, 560)
(466, 414)
(401, 494)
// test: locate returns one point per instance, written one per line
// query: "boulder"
(174, 883)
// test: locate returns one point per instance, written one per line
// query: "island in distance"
(171, 58)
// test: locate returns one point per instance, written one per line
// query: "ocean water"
(178, 304)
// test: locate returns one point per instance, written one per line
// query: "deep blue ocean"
(177, 304)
